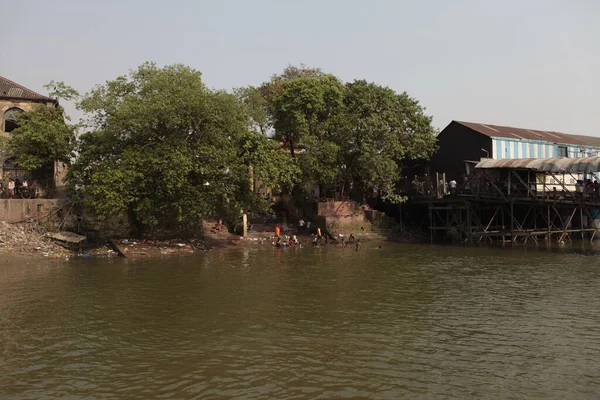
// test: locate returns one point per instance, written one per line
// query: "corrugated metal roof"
(573, 165)
(531, 134)
(12, 90)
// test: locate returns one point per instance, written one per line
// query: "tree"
(59, 90)
(271, 89)
(256, 108)
(43, 136)
(259, 101)
(165, 150)
(379, 130)
(305, 107)
(355, 135)
(269, 163)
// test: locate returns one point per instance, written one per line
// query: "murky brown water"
(403, 321)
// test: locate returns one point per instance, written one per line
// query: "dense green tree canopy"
(379, 130)
(42, 137)
(355, 135)
(256, 108)
(259, 101)
(166, 150)
(307, 107)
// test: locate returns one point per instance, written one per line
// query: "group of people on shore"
(318, 239)
(15, 186)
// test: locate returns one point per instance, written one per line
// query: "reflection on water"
(405, 320)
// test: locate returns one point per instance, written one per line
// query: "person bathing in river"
(358, 245)
(351, 238)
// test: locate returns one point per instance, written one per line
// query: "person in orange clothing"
(277, 230)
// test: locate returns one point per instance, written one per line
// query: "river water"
(402, 321)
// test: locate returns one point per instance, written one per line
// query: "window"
(10, 119)
(562, 151)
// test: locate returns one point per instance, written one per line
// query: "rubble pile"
(132, 247)
(100, 252)
(24, 239)
(29, 239)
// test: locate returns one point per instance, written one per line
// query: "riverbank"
(29, 240)
(26, 239)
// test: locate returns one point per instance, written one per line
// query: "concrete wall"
(338, 208)
(15, 210)
(346, 224)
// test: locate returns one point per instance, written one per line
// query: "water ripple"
(403, 321)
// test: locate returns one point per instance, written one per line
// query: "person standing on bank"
(277, 230)
(11, 187)
(453, 186)
(301, 226)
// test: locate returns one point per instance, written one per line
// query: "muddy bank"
(31, 240)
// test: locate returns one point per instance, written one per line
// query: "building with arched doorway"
(15, 99)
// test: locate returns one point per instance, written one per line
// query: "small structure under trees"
(34, 135)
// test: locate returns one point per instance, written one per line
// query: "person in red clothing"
(11, 187)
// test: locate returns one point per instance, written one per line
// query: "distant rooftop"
(12, 90)
(531, 134)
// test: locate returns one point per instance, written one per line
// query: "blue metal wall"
(522, 148)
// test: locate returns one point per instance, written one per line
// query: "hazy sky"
(531, 64)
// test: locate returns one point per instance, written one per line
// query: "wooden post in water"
(430, 224)
(581, 224)
(444, 186)
(469, 230)
(503, 227)
(549, 238)
(512, 222)
(401, 228)
(244, 224)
